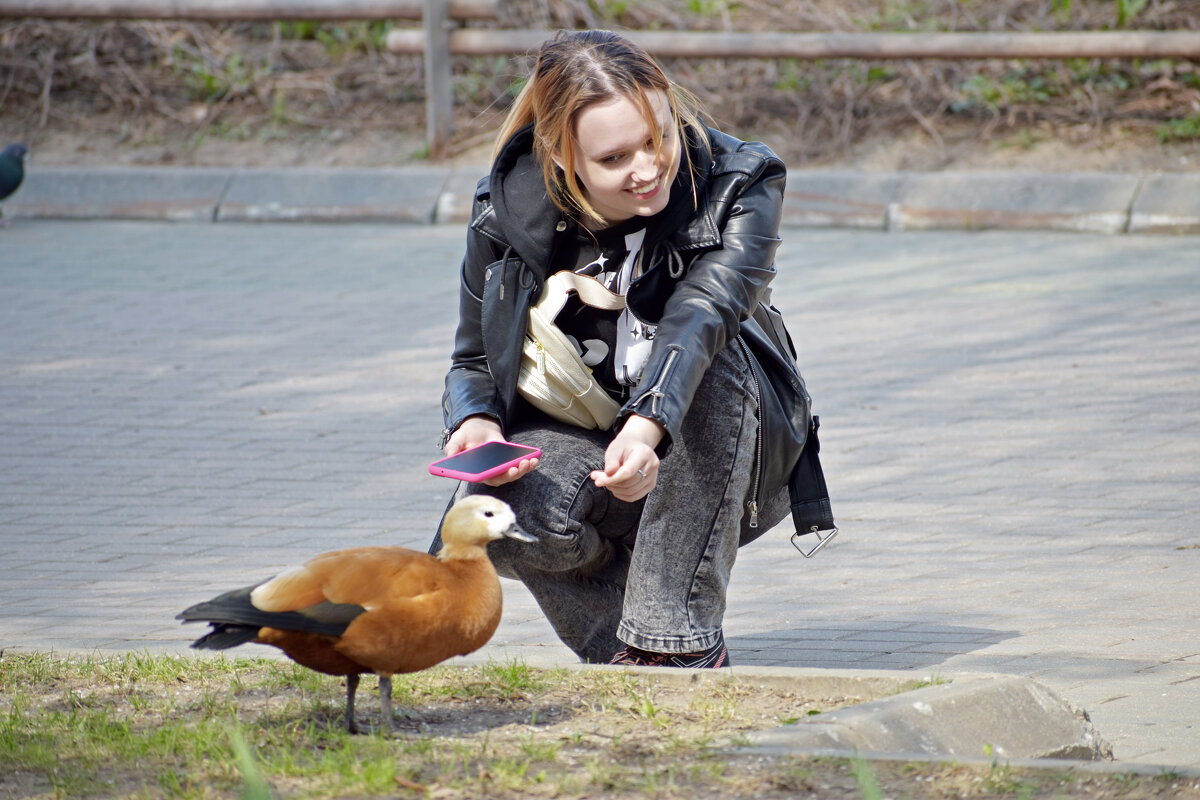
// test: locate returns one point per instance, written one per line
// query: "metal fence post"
(439, 99)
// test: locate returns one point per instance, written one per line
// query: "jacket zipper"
(655, 392)
(758, 439)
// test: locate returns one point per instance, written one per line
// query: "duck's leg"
(389, 716)
(351, 689)
(385, 702)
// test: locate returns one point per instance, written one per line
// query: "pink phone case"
(484, 461)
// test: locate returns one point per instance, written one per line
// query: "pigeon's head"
(16, 152)
(479, 519)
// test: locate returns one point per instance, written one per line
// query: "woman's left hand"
(630, 463)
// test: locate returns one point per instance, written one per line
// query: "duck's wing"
(366, 576)
(237, 620)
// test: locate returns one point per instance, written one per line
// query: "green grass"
(1184, 129)
(338, 39)
(142, 726)
(865, 777)
(138, 725)
(76, 723)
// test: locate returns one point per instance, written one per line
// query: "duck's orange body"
(385, 610)
(419, 611)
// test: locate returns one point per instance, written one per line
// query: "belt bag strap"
(811, 510)
(591, 291)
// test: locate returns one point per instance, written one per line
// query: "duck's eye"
(489, 513)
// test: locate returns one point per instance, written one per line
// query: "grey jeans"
(652, 574)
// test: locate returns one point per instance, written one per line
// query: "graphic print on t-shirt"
(614, 344)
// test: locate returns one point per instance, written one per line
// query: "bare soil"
(296, 93)
(959, 148)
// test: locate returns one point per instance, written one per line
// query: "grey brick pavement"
(1009, 422)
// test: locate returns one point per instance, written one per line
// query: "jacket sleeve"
(470, 388)
(721, 289)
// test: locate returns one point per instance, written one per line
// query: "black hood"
(523, 206)
(530, 219)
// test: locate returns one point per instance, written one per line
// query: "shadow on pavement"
(873, 644)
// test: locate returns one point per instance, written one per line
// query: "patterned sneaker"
(712, 658)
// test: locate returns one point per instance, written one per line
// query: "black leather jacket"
(725, 245)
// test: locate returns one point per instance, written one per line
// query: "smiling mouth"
(647, 189)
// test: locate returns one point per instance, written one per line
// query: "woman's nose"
(645, 165)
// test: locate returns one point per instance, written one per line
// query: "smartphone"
(485, 461)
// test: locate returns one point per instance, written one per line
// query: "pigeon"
(12, 171)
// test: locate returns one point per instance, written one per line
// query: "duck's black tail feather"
(235, 620)
(223, 636)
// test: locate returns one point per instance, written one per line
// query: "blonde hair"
(574, 70)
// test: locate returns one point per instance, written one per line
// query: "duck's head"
(476, 520)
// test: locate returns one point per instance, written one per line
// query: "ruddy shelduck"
(384, 610)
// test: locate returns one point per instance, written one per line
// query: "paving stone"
(1007, 426)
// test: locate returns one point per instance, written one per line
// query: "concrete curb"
(960, 716)
(1091, 202)
(968, 718)
(1003, 715)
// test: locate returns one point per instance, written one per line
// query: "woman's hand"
(630, 463)
(480, 430)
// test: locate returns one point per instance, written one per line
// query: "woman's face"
(616, 162)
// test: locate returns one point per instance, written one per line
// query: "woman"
(603, 167)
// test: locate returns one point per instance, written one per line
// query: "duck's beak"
(515, 532)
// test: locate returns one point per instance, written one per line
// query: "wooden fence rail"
(241, 10)
(440, 41)
(876, 46)
(440, 37)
